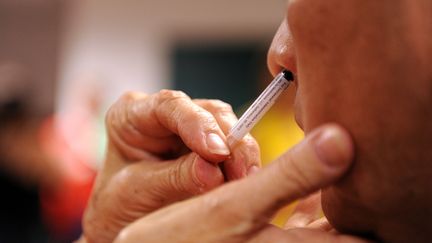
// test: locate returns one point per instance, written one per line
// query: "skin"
(158, 154)
(360, 63)
(223, 216)
(150, 182)
(366, 65)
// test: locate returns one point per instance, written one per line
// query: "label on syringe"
(261, 105)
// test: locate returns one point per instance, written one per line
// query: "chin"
(347, 216)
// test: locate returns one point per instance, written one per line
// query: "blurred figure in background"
(20, 218)
(44, 183)
(23, 165)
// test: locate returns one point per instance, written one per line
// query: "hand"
(162, 148)
(240, 211)
(309, 214)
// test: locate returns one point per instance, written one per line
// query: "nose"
(281, 54)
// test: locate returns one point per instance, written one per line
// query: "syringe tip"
(288, 75)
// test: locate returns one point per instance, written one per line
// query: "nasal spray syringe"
(260, 106)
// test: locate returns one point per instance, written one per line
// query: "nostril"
(288, 75)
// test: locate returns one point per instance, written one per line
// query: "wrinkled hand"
(240, 211)
(162, 148)
(308, 214)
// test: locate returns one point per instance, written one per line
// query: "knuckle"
(169, 107)
(131, 96)
(119, 110)
(251, 142)
(223, 106)
(120, 182)
(225, 204)
(250, 149)
(218, 204)
(128, 95)
(170, 95)
(220, 107)
(123, 186)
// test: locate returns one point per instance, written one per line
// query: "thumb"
(160, 183)
(319, 160)
(143, 187)
(242, 208)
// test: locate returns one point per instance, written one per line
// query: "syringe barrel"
(259, 107)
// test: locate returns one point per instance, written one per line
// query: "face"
(366, 65)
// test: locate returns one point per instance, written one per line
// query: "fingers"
(153, 123)
(308, 214)
(239, 209)
(245, 159)
(141, 188)
(168, 181)
(319, 160)
(246, 154)
(306, 211)
(321, 224)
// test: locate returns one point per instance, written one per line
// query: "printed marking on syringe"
(279, 86)
(270, 100)
(273, 92)
(250, 123)
(263, 96)
(249, 112)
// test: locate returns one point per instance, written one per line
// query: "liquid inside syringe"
(259, 107)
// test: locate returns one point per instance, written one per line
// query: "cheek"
(299, 20)
(318, 34)
(314, 105)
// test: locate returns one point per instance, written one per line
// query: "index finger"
(246, 154)
(154, 123)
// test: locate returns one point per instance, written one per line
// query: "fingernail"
(252, 170)
(216, 145)
(333, 147)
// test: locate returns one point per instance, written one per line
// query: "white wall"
(125, 45)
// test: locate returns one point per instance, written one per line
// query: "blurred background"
(62, 63)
